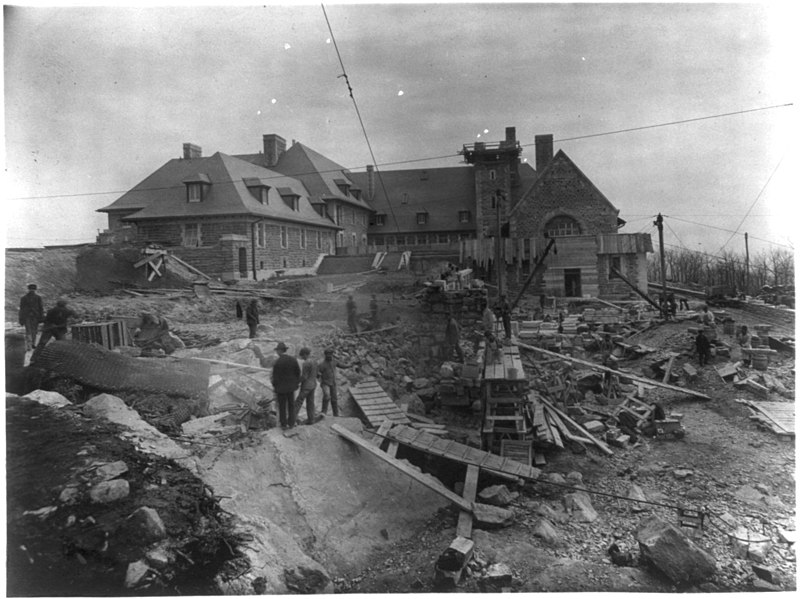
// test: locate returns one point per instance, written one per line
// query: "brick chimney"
(274, 147)
(370, 182)
(511, 135)
(192, 151)
(544, 151)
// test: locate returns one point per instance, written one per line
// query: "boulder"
(491, 517)
(748, 494)
(112, 470)
(110, 490)
(158, 557)
(580, 505)
(69, 495)
(499, 575)
(205, 425)
(48, 398)
(668, 550)
(148, 524)
(497, 495)
(750, 545)
(635, 493)
(575, 479)
(307, 581)
(552, 514)
(545, 530)
(136, 574)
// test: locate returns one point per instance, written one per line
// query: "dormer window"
(196, 187)
(422, 218)
(290, 198)
(257, 189)
(343, 185)
(464, 216)
(380, 220)
(355, 192)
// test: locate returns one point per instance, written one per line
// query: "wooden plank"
(554, 433)
(381, 433)
(565, 418)
(464, 528)
(427, 481)
(626, 375)
(391, 451)
(781, 418)
(418, 418)
(668, 370)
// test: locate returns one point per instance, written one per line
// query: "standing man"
(285, 380)
(31, 313)
(327, 378)
(489, 320)
(452, 338)
(251, 317)
(55, 325)
(505, 315)
(352, 314)
(373, 312)
(703, 348)
(308, 385)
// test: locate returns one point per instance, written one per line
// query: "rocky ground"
(741, 474)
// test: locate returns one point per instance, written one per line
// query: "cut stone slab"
(668, 550)
(110, 490)
(48, 398)
(580, 504)
(498, 495)
(136, 574)
(499, 575)
(491, 516)
(204, 425)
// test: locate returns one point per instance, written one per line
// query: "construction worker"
(55, 325)
(505, 315)
(452, 338)
(327, 379)
(373, 312)
(489, 320)
(285, 381)
(251, 317)
(308, 385)
(707, 317)
(352, 314)
(31, 313)
(703, 346)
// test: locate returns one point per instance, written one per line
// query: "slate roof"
(317, 173)
(162, 195)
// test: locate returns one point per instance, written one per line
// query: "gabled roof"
(317, 173)
(440, 192)
(162, 195)
(560, 156)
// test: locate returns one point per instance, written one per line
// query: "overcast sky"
(98, 98)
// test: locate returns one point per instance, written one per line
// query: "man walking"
(327, 378)
(251, 317)
(31, 313)
(308, 385)
(285, 380)
(352, 314)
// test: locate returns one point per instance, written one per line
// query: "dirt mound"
(61, 542)
(52, 270)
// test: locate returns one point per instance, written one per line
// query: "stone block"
(148, 524)
(492, 517)
(580, 505)
(498, 495)
(668, 550)
(110, 490)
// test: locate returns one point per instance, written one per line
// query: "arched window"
(562, 226)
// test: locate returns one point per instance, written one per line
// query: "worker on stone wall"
(31, 313)
(352, 314)
(285, 381)
(55, 325)
(251, 317)
(308, 385)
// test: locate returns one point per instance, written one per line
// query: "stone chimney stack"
(370, 182)
(274, 147)
(192, 151)
(544, 151)
(511, 135)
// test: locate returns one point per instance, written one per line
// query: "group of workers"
(298, 375)
(54, 322)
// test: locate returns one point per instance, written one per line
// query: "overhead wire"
(360, 120)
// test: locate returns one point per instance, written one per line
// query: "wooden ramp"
(375, 404)
(461, 453)
(777, 415)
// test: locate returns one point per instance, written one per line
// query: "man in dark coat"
(31, 313)
(352, 314)
(703, 348)
(55, 325)
(285, 381)
(327, 379)
(251, 317)
(505, 315)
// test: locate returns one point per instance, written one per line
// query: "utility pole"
(746, 265)
(498, 251)
(660, 224)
